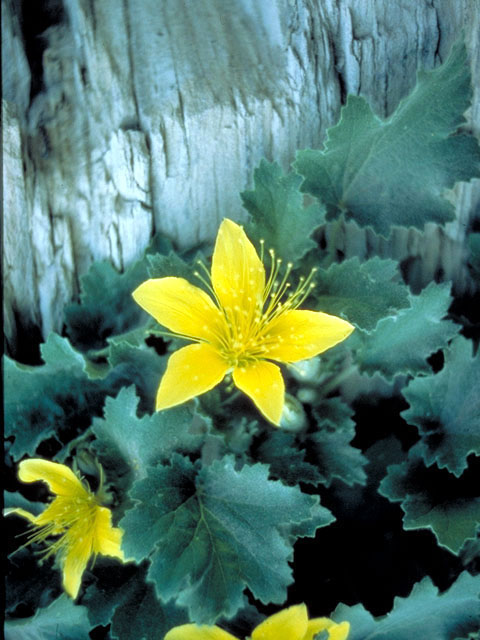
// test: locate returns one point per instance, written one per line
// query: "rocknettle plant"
(286, 446)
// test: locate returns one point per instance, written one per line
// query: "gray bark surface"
(139, 116)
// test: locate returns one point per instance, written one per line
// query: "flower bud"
(293, 416)
(306, 370)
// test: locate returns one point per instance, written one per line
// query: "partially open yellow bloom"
(83, 526)
(289, 624)
(247, 321)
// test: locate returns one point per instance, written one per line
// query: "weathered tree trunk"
(125, 118)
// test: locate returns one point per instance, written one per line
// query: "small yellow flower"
(289, 624)
(248, 321)
(83, 526)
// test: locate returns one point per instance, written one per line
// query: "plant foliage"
(211, 531)
(394, 172)
(223, 514)
(424, 612)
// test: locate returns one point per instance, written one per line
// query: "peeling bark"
(121, 119)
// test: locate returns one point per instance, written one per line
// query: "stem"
(334, 382)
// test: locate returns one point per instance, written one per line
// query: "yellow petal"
(61, 510)
(107, 539)
(339, 631)
(179, 306)
(19, 512)
(335, 631)
(59, 478)
(77, 553)
(238, 275)
(194, 632)
(289, 624)
(297, 335)
(191, 371)
(262, 381)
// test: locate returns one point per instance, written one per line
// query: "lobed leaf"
(62, 619)
(106, 306)
(56, 398)
(141, 442)
(434, 499)
(445, 408)
(172, 264)
(278, 214)
(287, 461)
(424, 613)
(27, 583)
(212, 531)
(403, 342)
(362, 293)
(394, 172)
(141, 365)
(36, 397)
(121, 596)
(330, 444)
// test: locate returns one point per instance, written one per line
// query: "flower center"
(247, 332)
(72, 519)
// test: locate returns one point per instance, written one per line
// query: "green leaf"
(35, 397)
(390, 172)
(106, 305)
(121, 596)
(186, 265)
(279, 216)
(445, 408)
(403, 342)
(141, 442)
(330, 444)
(236, 432)
(423, 614)
(57, 398)
(113, 584)
(161, 266)
(134, 337)
(27, 582)
(140, 365)
(144, 617)
(214, 531)
(362, 293)
(434, 499)
(287, 459)
(62, 619)
(470, 553)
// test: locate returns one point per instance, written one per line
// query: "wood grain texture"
(137, 116)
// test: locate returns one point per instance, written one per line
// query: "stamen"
(198, 275)
(171, 334)
(303, 290)
(240, 330)
(280, 289)
(274, 269)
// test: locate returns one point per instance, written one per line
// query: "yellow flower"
(247, 321)
(289, 624)
(83, 526)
